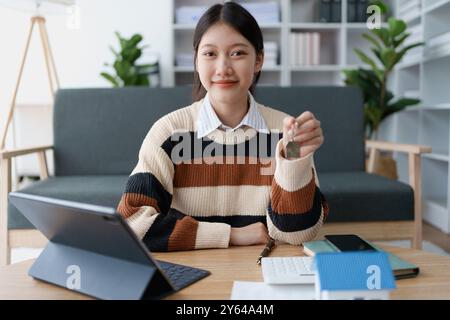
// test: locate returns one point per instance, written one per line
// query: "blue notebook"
(401, 268)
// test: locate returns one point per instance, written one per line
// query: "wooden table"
(237, 263)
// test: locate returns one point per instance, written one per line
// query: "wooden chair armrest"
(9, 154)
(414, 152)
(400, 147)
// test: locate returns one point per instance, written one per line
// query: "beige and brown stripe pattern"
(293, 202)
(231, 187)
(183, 235)
(296, 237)
(141, 221)
(132, 202)
(201, 175)
(222, 200)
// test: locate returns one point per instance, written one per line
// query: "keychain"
(292, 147)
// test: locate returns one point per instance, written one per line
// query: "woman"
(223, 193)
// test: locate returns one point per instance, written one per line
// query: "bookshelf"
(426, 74)
(336, 42)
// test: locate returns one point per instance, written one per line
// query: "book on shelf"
(307, 48)
(293, 48)
(361, 10)
(357, 10)
(351, 11)
(301, 49)
(304, 48)
(336, 10)
(325, 11)
(315, 48)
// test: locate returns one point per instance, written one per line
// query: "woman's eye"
(238, 53)
(208, 54)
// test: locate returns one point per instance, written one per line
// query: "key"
(292, 147)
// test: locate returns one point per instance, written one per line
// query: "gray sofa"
(98, 132)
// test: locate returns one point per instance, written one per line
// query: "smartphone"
(349, 242)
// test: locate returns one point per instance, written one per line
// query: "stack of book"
(409, 9)
(357, 10)
(304, 48)
(270, 54)
(439, 44)
(189, 14)
(263, 12)
(330, 11)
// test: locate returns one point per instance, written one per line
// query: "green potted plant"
(387, 51)
(127, 71)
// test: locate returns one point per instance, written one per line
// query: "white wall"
(79, 54)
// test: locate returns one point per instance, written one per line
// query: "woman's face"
(226, 63)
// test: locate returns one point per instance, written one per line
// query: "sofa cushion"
(359, 196)
(99, 190)
(351, 196)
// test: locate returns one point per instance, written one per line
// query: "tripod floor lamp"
(38, 7)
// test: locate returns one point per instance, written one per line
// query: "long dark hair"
(238, 18)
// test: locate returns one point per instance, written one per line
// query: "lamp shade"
(39, 6)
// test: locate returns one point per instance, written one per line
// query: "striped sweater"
(186, 193)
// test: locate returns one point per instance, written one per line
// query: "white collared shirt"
(208, 121)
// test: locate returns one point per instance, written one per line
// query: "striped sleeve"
(297, 208)
(146, 203)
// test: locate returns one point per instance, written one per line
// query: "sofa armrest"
(414, 152)
(9, 154)
(400, 147)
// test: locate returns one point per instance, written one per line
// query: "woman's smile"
(225, 83)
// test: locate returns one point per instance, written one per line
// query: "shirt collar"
(208, 121)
